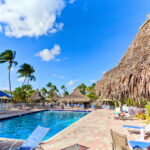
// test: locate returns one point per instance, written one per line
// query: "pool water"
(21, 127)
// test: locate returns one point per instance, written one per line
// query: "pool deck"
(91, 132)
(7, 115)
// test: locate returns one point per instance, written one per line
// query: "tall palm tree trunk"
(9, 83)
(24, 81)
(28, 81)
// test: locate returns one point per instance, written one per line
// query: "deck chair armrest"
(11, 147)
(113, 146)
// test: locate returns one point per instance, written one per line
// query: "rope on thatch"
(131, 78)
(36, 96)
(75, 97)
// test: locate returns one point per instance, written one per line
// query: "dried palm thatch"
(131, 77)
(36, 96)
(105, 100)
(55, 97)
(75, 97)
(48, 99)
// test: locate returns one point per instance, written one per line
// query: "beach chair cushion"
(35, 138)
(139, 144)
(133, 127)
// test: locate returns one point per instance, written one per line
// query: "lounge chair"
(117, 110)
(139, 144)
(120, 142)
(33, 140)
(142, 130)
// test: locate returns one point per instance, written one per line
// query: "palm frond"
(15, 63)
(2, 61)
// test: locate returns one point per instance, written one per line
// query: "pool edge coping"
(44, 142)
(21, 114)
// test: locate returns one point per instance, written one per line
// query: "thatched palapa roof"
(36, 96)
(104, 100)
(131, 77)
(76, 97)
(55, 98)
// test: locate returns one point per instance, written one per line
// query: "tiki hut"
(55, 98)
(36, 97)
(131, 77)
(76, 97)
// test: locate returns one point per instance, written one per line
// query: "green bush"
(143, 102)
(141, 116)
(131, 102)
(117, 103)
(96, 106)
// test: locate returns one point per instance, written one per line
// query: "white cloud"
(48, 55)
(58, 26)
(21, 79)
(57, 60)
(103, 72)
(12, 69)
(30, 17)
(61, 77)
(92, 81)
(71, 82)
(72, 1)
(4, 88)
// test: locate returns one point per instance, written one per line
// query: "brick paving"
(91, 132)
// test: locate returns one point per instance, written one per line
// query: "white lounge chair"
(142, 130)
(33, 140)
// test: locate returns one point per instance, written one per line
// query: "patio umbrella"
(4, 95)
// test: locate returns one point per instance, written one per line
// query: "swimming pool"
(21, 127)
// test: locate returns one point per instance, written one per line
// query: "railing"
(22, 106)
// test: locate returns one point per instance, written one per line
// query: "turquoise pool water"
(21, 127)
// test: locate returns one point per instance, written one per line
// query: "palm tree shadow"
(76, 147)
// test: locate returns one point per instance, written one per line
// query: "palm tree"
(63, 87)
(82, 88)
(93, 85)
(26, 70)
(66, 93)
(54, 87)
(44, 91)
(49, 85)
(8, 56)
(89, 89)
(65, 90)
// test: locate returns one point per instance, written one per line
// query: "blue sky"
(68, 42)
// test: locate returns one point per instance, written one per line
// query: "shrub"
(141, 115)
(117, 104)
(131, 102)
(96, 106)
